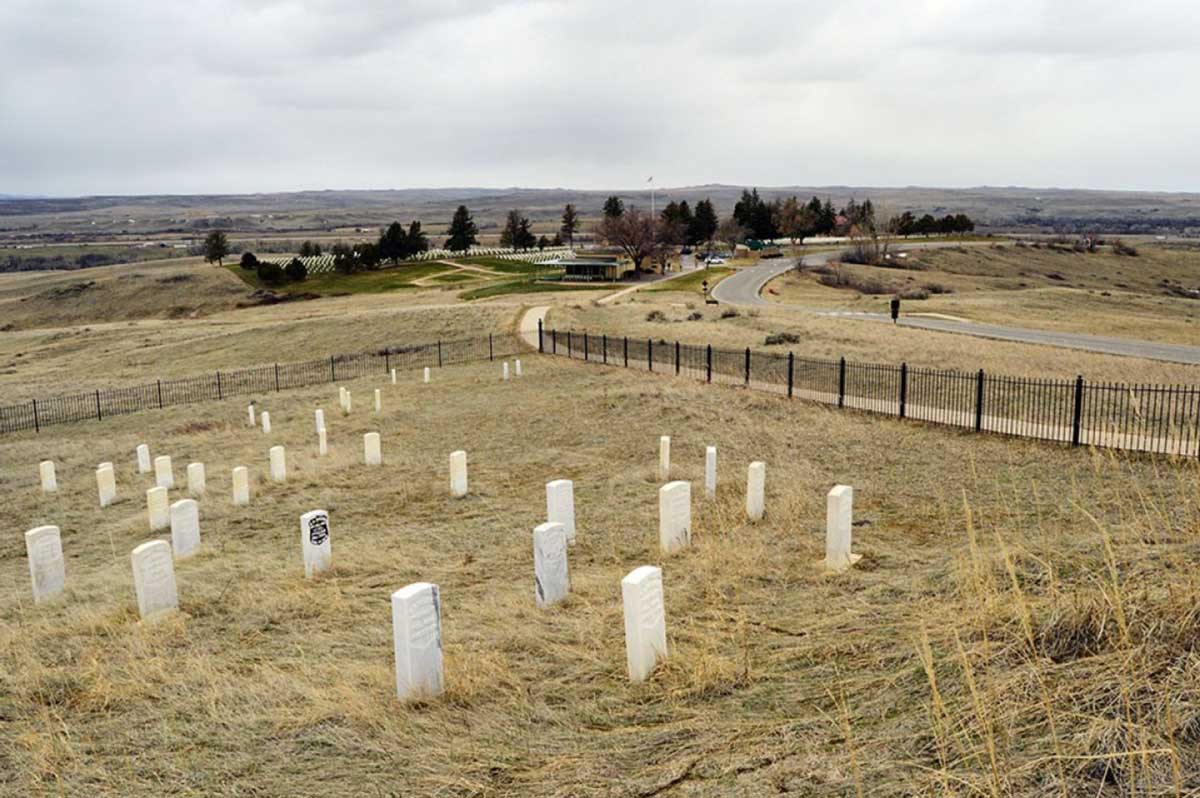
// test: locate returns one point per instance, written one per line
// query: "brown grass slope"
(1023, 622)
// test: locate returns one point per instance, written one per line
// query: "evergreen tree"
(613, 207)
(216, 247)
(516, 233)
(417, 241)
(393, 244)
(462, 232)
(704, 222)
(542, 243)
(570, 225)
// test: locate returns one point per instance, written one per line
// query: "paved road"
(745, 289)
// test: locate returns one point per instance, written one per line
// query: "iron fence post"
(604, 346)
(650, 354)
(439, 353)
(747, 366)
(387, 359)
(1077, 416)
(491, 350)
(708, 364)
(791, 371)
(37, 425)
(98, 417)
(332, 369)
(676, 358)
(842, 382)
(626, 351)
(541, 346)
(220, 394)
(903, 389)
(159, 384)
(276, 378)
(586, 351)
(979, 401)
(554, 342)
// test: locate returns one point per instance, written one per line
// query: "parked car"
(714, 260)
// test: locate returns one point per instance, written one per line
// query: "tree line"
(637, 234)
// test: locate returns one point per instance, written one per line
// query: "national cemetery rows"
(416, 608)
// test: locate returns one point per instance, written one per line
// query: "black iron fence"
(1163, 419)
(101, 403)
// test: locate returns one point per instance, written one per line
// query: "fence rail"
(1161, 419)
(99, 404)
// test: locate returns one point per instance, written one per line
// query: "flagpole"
(651, 182)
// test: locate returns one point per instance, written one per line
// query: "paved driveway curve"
(745, 289)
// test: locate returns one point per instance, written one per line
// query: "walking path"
(745, 287)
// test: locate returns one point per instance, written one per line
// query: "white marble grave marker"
(49, 480)
(266, 422)
(320, 417)
(154, 578)
(710, 472)
(241, 486)
(664, 458)
(517, 366)
(550, 576)
(645, 621)
(756, 481)
(504, 371)
(560, 505)
(675, 516)
(393, 376)
(427, 374)
(250, 412)
(185, 527)
(322, 446)
(278, 464)
(164, 475)
(195, 478)
(106, 484)
(417, 630)
(839, 514)
(143, 458)
(157, 509)
(378, 400)
(47, 568)
(458, 474)
(314, 542)
(348, 405)
(372, 455)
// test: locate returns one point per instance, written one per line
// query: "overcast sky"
(160, 96)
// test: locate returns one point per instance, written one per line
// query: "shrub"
(270, 273)
(656, 315)
(914, 293)
(782, 338)
(695, 316)
(938, 288)
(729, 313)
(249, 262)
(1119, 247)
(296, 271)
(843, 279)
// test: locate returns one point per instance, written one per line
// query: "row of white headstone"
(675, 513)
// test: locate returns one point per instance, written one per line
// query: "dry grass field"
(1100, 293)
(1023, 621)
(857, 340)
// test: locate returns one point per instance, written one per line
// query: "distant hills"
(1043, 209)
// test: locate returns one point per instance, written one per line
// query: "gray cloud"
(253, 95)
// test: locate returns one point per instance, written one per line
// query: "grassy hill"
(1022, 622)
